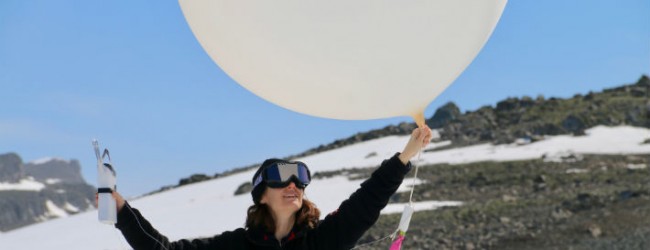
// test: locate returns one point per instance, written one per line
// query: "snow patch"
(54, 210)
(434, 145)
(522, 141)
(576, 171)
(46, 160)
(565, 156)
(42, 218)
(618, 140)
(637, 166)
(435, 134)
(27, 184)
(70, 208)
(419, 206)
(597, 140)
(408, 183)
(51, 181)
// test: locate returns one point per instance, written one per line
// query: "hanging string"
(376, 241)
(392, 235)
(415, 177)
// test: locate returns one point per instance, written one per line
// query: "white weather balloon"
(344, 59)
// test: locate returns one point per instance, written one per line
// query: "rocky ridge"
(522, 118)
(62, 191)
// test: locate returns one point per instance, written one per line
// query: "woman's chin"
(294, 204)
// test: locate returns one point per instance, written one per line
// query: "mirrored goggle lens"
(282, 172)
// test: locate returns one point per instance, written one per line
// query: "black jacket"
(340, 229)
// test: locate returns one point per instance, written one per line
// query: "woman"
(281, 218)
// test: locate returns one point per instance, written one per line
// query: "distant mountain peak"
(39, 190)
(46, 160)
(67, 171)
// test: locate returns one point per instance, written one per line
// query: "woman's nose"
(292, 185)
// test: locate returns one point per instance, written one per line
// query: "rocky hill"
(526, 118)
(530, 118)
(522, 118)
(39, 191)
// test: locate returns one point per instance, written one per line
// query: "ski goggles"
(280, 174)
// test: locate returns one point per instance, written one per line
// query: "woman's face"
(283, 200)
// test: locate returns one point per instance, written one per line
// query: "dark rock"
(539, 183)
(526, 102)
(647, 111)
(193, 179)
(11, 168)
(638, 92)
(396, 197)
(583, 198)
(633, 117)
(628, 194)
(547, 129)
(244, 188)
(507, 104)
(478, 180)
(574, 124)
(644, 81)
(504, 137)
(444, 115)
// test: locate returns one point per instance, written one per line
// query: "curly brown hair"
(260, 216)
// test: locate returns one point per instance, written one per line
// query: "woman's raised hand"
(119, 201)
(420, 137)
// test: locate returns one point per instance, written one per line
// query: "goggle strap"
(258, 180)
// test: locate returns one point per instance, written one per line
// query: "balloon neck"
(419, 118)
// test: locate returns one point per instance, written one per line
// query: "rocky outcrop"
(444, 115)
(55, 170)
(526, 117)
(63, 190)
(193, 179)
(531, 119)
(11, 168)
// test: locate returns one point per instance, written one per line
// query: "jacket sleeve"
(343, 228)
(141, 235)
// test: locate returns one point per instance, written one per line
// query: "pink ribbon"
(397, 244)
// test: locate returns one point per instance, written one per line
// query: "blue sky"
(131, 74)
